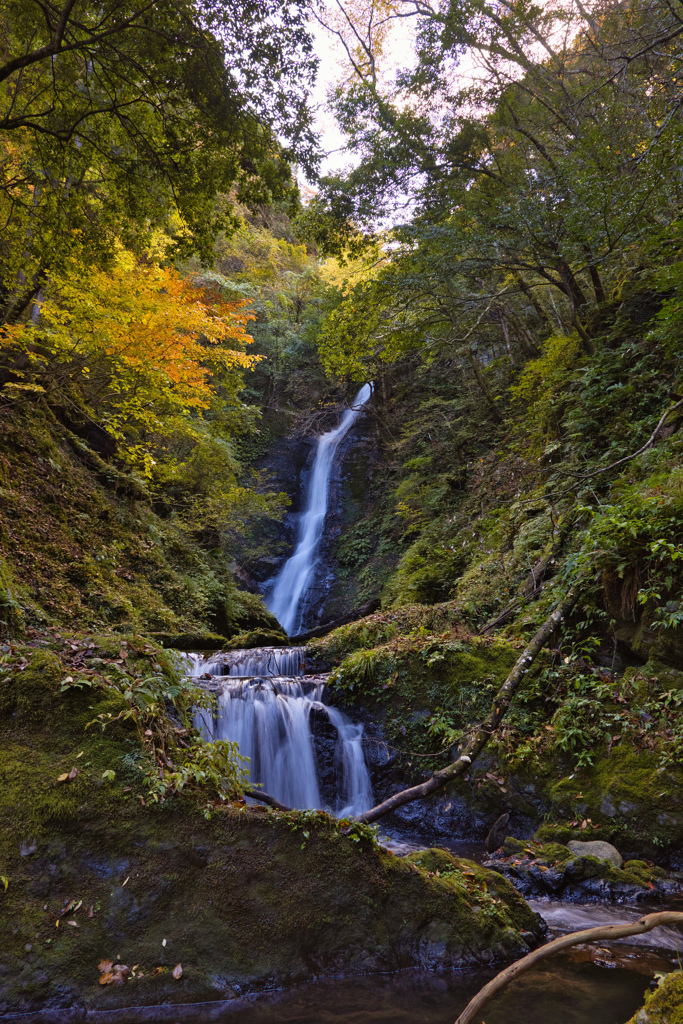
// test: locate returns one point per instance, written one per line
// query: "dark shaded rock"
(550, 869)
(496, 836)
(360, 613)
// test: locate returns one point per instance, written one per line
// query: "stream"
(308, 754)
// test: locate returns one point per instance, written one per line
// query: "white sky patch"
(334, 67)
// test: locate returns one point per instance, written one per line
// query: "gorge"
(341, 511)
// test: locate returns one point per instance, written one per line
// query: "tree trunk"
(484, 732)
(483, 386)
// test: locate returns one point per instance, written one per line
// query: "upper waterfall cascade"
(265, 704)
(286, 599)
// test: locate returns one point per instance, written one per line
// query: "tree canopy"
(122, 117)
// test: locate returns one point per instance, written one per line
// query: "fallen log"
(601, 933)
(484, 732)
(360, 613)
(266, 798)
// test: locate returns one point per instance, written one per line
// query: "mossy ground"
(665, 1004)
(577, 746)
(82, 547)
(244, 900)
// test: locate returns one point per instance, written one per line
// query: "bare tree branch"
(612, 931)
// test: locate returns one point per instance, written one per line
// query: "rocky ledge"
(580, 871)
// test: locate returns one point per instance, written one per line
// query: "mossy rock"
(248, 900)
(414, 673)
(551, 853)
(665, 1004)
(257, 638)
(190, 641)
(467, 875)
(36, 688)
(635, 802)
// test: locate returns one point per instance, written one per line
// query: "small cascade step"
(259, 661)
(264, 704)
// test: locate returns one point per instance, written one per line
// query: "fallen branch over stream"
(266, 798)
(611, 931)
(484, 732)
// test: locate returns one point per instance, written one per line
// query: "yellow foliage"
(148, 340)
(540, 376)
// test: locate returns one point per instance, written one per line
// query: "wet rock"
(496, 836)
(550, 869)
(597, 848)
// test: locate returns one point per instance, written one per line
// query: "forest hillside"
(181, 319)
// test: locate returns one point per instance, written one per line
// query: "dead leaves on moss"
(117, 974)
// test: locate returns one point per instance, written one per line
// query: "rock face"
(550, 869)
(601, 850)
(246, 902)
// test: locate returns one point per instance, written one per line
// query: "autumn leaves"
(117, 974)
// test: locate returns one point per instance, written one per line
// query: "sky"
(332, 68)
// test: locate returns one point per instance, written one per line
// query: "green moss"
(630, 795)
(665, 1004)
(247, 899)
(257, 638)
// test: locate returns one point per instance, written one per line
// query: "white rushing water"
(264, 704)
(572, 917)
(286, 599)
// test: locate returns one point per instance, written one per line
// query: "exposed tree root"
(612, 931)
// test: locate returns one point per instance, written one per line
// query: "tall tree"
(119, 116)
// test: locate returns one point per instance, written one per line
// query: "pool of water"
(586, 986)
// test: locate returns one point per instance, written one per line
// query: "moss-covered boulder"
(539, 868)
(108, 858)
(257, 638)
(665, 1004)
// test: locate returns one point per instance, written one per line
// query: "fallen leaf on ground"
(177, 971)
(74, 924)
(104, 966)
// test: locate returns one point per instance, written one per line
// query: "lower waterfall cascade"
(265, 704)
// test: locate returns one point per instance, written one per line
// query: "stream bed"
(570, 989)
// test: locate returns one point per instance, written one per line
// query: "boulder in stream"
(597, 848)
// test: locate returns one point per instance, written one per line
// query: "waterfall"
(264, 704)
(286, 598)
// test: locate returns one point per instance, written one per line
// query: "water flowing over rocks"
(289, 596)
(303, 752)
